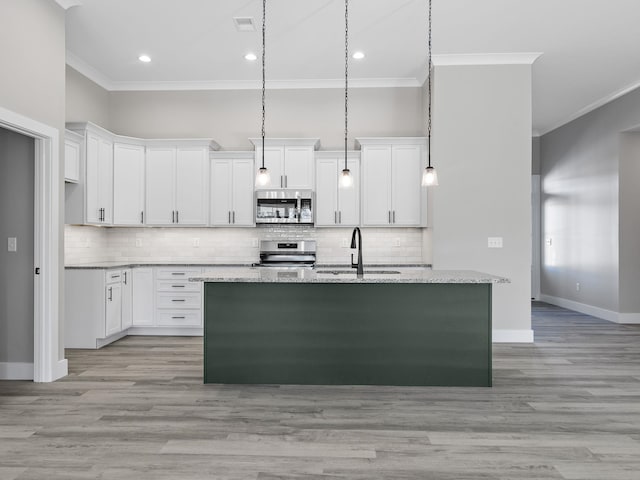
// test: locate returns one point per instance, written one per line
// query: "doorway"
(47, 363)
(17, 180)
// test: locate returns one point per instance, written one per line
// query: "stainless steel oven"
(287, 253)
(284, 206)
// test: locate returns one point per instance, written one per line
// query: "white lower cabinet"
(142, 302)
(178, 301)
(127, 298)
(93, 307)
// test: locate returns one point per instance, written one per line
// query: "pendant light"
(429, 176)
(263, 178)
(346, 179)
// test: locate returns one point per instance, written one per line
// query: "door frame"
(48, 361)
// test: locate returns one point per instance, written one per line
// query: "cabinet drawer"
(179, 318)
(177, 286)
(178, 300)
(177, 273)
(113, 276)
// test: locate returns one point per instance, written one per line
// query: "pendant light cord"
(429, 90)
(346, 79)
(264, 24)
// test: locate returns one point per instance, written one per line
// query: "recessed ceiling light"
(358, 55)
(144, 58)
(251, 57)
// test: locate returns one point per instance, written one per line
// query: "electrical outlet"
(494, 242)
(138, 242)
(12, 244)
(396, 242)
(344, 243)
(577, 286)
(195, 242)
(548, 242)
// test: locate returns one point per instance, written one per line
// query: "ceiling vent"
(244, 24)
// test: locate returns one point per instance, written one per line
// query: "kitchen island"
(394, 326)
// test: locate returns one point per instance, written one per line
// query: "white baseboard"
(16, 371)
(511, 336)
(168, 331)
(604, 314)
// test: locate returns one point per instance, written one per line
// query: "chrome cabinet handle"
(125, 278)
(178, 300)
(340, 217)
(394, 216)
(110, 294)
(281, 181)
(178, 318)
(177, 216)
(173, 216)
(234, 216)
(141, 217)
(286, 181)
(389, 216)
(335, 217)
(178, 286)
(229, 212)
(177, 273)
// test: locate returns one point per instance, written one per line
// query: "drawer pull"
(178, 286)
(178, 300)
(177, 273)
(179, 318)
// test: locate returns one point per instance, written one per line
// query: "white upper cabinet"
(289, 161)
(337, 206)
(391, 177)
(98, 187)
(232, 179)
(73, 143)
(128, 184)
(177, 185)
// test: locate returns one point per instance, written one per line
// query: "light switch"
(12, 244)
(195, 242)
(344, 243)
(494, 242)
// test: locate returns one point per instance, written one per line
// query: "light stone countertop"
(372, 274)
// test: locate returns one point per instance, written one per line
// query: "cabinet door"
(160, 186)
(192, 184)
(72, 151)
(349, 198)
(274, 161)
(105, 180)
(221, 187)
(142, 301)
(113, 317)
(298, 167)
(326, 207)
(128, 184)
(376, 185)
(127, 298)
(242, 214)
(406, 190)
(93, 213)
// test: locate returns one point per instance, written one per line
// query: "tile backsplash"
(86, 244)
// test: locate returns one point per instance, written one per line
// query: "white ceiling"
(590, 49)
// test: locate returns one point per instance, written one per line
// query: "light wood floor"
(566, 407)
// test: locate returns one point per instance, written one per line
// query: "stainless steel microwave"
(284, 206)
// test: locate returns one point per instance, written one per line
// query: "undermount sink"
(371, 272)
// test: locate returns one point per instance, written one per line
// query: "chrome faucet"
(359, 266)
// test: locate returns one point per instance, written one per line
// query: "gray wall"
(580, 167)
(86, 101)
(482, 151)
(32, 83)
(231, 117)
(16, 268)
(629, 224)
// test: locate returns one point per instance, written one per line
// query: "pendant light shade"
(346, 179)
(429, 176)
(263, 178)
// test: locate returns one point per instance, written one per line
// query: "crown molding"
(88, 71)
(67, 4)
(105, 82)
(593, 106)
(486, 59)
